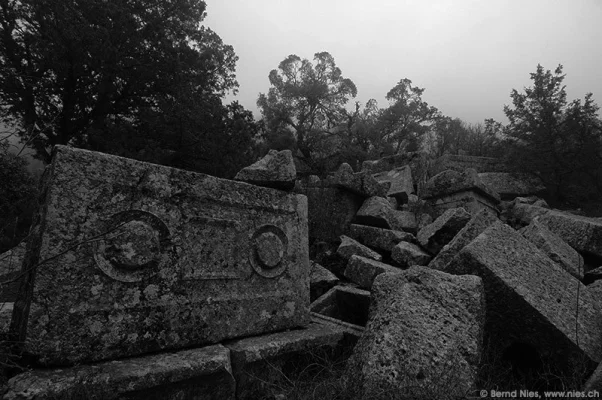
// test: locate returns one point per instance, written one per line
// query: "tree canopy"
(82, 71)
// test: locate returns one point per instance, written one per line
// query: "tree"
(305, 102)
(77, 71)
(558, 141)
(408, 117)
(448, 136)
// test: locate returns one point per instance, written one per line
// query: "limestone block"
(275, 170)
(375, 211)
(436, 235)
(522, 214)
(554, 247)
(401, 181)
(423, 339)
(406, 254)
(360, 183)
(321, 280)
(477, 224)
(530, 298)
(510, 185)
(199, 373)
(363, 270)
(449, 182)
(127, 258)
(383, 239)
(345, 303)
(581, 233)
(401, 220)
(349, 247)
(331, 211)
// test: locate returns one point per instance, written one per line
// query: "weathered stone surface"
(554, 247)
(401, 220)
(127, 258)
(530, 298)
(401, 181)
(449, 182)
(471, 201)
(258, 363)
(383, 239)
(510, 185)
(331, 211)
(522, 214)
(477, 224)
(344, 303)
(436, 235)
(407, 254)
(360, 183)
(363, 270)
(592, 276)
(462, 162)
(199, 373)
(423, 220)
(275, 170)
(350, 247)
(352, 332)
(595, 289)
(375, 212)
(423, 339)
(321, 281)
(581, 233)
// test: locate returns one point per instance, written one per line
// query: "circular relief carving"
(269, 245)
(135, 245)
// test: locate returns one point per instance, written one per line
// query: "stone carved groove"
(137, 243)
(269, 246)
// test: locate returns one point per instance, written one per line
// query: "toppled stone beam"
(581, 233)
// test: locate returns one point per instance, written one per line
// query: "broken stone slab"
(344, 303)
(200, 373)
(363, 270)
(275, 170)
(531, 299)
(423, 339)
(401, 220)
(375, 211)
(321, 281)
(581, 233)
(352, 332)
(360, 183)
(436, 235)
(449, 182)
(379, 238)
(554, 247)
(401, 181)
(522, 214)
(407, 254)
(350, 247)
(262, 362)
(510, 185)
(477, 224)
(127, 258)
(331, 212)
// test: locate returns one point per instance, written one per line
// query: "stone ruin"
(141, 281)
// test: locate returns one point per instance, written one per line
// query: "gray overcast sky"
(467, 54)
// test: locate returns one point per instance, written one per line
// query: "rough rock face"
(554, 247)
(401, 181)
(321, 281)
(477, 224)
(383, 239)
(401, 220)
(510, 185)
(375, 212)
(407, 254)
(350, 247)
(126, 258)
(530, 298)
(423, 337)
(361, 183)
(436, 235)
(332, 211)
(522, 214)
(275, 170)
(449, 182)
(581, 233)
(363, 270)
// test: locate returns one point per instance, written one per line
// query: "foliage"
(560, 141)
(98, 74)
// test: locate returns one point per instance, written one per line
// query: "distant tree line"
(145, 79)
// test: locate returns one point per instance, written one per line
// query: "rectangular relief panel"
(127, 258)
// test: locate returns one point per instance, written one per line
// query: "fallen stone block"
(436, 235)
(382, 239)
(554, 247)
(261, 363)
(350, 247)
(275, 170)
(127, 258)
(199, 373)
(360, 183)
(375, 211)
(401, 220)
(401, 181)
(423, 339)
(344, 303)
(581, 233)
(407, 254)
(331, 211)
(477, 224)
(321, 281)
(510, 185)
(522, 214)
(531, 299)
(363, 270)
